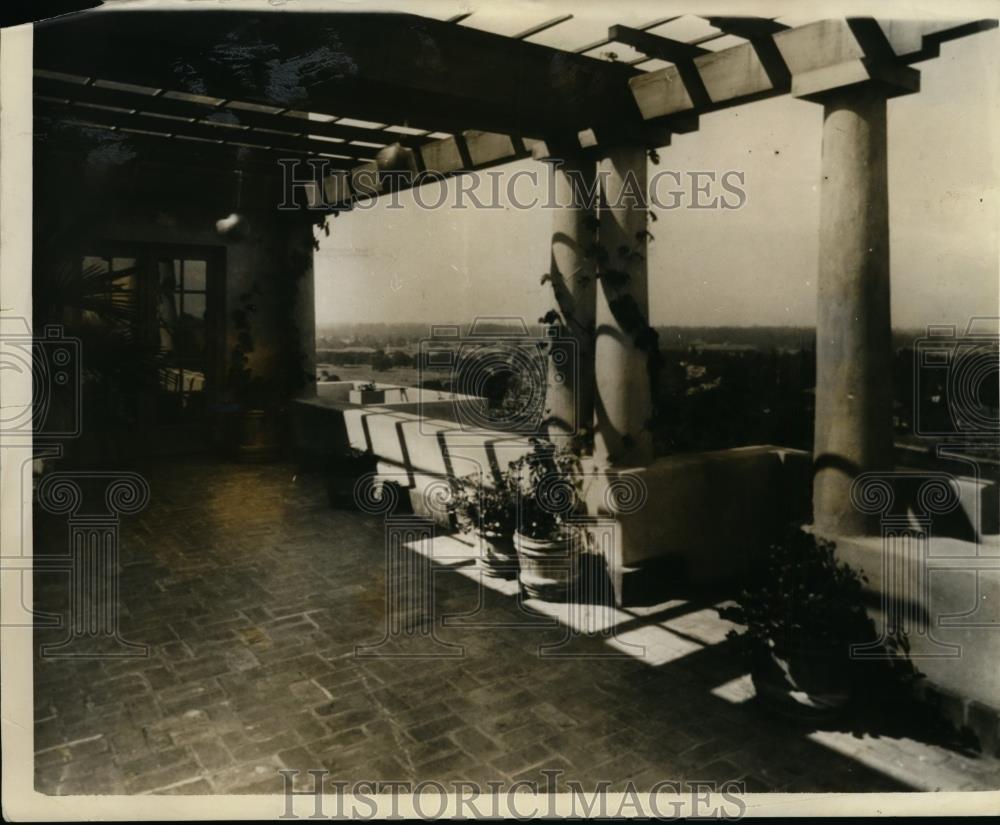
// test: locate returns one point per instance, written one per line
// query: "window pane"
(166, 274)
(194, 274)
(118, 264)
(194, 305)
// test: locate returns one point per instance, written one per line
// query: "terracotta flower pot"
(499, 559)
(549, 567)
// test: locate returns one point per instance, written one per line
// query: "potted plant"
(489, 512)
(547, 538)
(803, 611)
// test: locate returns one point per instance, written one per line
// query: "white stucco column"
(853, 325)
(623, 402)
(844, 66)
(569, 397)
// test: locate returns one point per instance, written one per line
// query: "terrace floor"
(253, 595)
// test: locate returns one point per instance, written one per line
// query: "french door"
(165, 304)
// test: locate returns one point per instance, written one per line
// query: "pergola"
(361, 95)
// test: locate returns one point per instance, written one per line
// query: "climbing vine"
(612, 271)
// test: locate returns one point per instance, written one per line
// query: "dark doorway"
(154, 339)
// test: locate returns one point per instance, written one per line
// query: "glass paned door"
(158, 311)
(181, 317)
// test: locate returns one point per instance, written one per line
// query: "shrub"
(548, 485)
(485, 509)
(802, 599)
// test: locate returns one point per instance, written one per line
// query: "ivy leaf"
(550, 317)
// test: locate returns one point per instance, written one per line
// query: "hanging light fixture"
(234, 225)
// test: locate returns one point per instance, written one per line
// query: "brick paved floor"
(253, 594)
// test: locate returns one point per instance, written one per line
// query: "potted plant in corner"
(489, 512)
(548, 538)
(803, 611)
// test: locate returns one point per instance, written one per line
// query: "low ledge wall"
(952, 594)
(711, 511)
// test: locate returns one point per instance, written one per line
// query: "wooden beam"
(604, 41)
(758, 31)
(468, 151)
(800, 60)
(681, 54)
(80, 139)
(474, 150)
(489, 148)
(595, 141)
(706, 38)
(747, 27)
(662, 48)
(829, 54)
(548, 24)
(384, 67)
(159, 104)
(917, 40)
(221, 134)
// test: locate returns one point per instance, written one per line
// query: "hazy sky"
(755, 265)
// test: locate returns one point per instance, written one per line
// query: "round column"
(623, 400)
(569, 397)
(853, 327)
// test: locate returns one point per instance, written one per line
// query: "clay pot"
(549, 567)
(499, 558)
